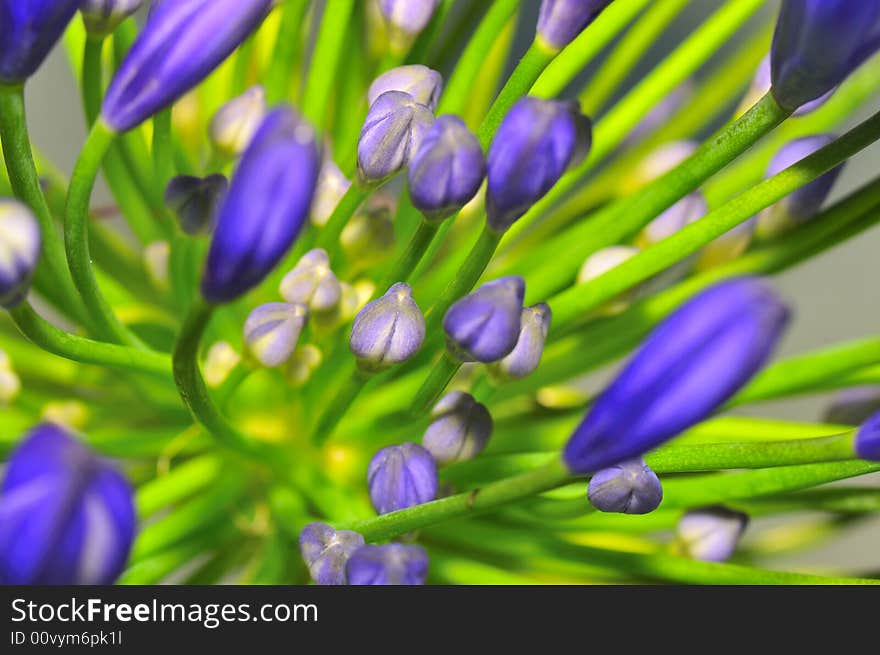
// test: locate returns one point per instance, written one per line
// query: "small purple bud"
(28, 31)
(401, 476)
(867, 442)
(388, 331)
(19, 251)
(710, 534)
(235, 123)
(267, 205)
(460, 428)
(602, 261)
(534, 145)
(801, 205)
(272, 331)
(688, 210)
(817, 44)
(629, 487)
(195, 201)
(408, 17)
(312, 282)
(391, 135)
(179, 46)
(101, 17)
(326, 552)
(66, 516)
(422, 83)
(761, 85)
(853, 406)
(332, 185)
(695, 360)
(447, 170)
(391, 564)
(526, 355)
(484, 325)
(561, 21)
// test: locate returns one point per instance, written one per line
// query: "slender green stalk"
(325, 60)
(92, 83)
(339, 405)
(432, 388)
(410, 258)
(163, 152)
(288, 43)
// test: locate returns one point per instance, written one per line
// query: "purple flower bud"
(534, 145)
(659, 162)
(801, 205)
(272, 331)
(629, 487)
(180, 44)
(447, 170)
(408, 17)
(817, 44)
(710, 534)
(561, 21)
(867, 442)
(19, 251)
(422, 83)
(695, 360)
(235, 123)
(312, 282)
(101, 17)
(388, 330)
(484, 325)
(332, 185)
(66, 517)
(526, 355)
(401, 476)
(326, 552)
(761, 84)
(602, 261)
(28, 30)
(688, 210)
(460, 428)
(853, 406)
(391, 564)
(195, 201)
(391, 135)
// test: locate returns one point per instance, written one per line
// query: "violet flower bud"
(688, 210)
(422, 83)
(484, 325)
(534, 145)
(526, 355)
(391, 135)
(66, 516)
(195, 201)
(388, 331)
(447, 170)
(272, 331)
(28, 31)
(710, 534)
(867, 441)
(761, 84)
(332, 185)
(629, 487)
(101, 17)
(561, 21)
(391, 564)
(267, 205)
(817, 44)
(853, 406)
(406, 18)
(804, 203)
(312, 282)
(179, 46)
(19, 251)
(460, 428)
(401, 476)
(695, 360)
(235, 123)
(326, 552)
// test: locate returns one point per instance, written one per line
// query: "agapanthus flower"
(460, 428)
(101, 17)
(389, 330)
(19, 251)
(629, 487)
(484, 325)
(28, 31)
(235, 123)
(272, 331)
(326, 552)
(195, 201)
(391, 564)
(312, 282)
(525, 357)
(422, 83)
(710, 534)
(560, 21)
(401, 476)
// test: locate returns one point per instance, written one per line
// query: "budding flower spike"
(66, 517)
(272, 331)
(629, 487)
(326, 552)
(422, 83)
(28, 30)
(711, 534)
(690, 365)
(391, 564)
(867, 441)
(460, 428)
(236, 122)
(19, 251)
(560, 21)
(312, 283)
(388, 331)
(525, 357)
(195, 201)
(102, 17)
(400, 477)
(484, 326)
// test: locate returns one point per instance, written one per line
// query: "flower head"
(272, 331)
(101, 17)
(484, 325)
(867, 442)
(312, 282)
(526, 355)
(391, 564)
(267, 205)
(66, 517)
(629, 487)
(710, 534)
(447, 169)
(534, 145)
(235, 123)
(326, 552)
(560, 21)
(180, 44)
(692, 363)
(28, 30)
(195, 201)
(853, 406)
(389, 330)
(422, 83)
(401, 476)
(460, 428)
(19, 251)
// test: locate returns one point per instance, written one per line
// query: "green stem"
(433, 386)
(163, 152)
(92, 84)
(284, 54)
(410, 258)
(336, 409)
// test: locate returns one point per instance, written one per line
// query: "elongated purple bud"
(195, 201)
(561, 21)
(391, 564)
(867, 442)
(629, 487)
(28, 31)
(389, 330)
(711, 534)
(691, 364)
(101, 17)
(19, 251)
(407, 18)
(526, 355)
(484, 325)
(326, 552)
(401, 476)
(460, 428)
(272, 331)
(762, 83)
(422, 83)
